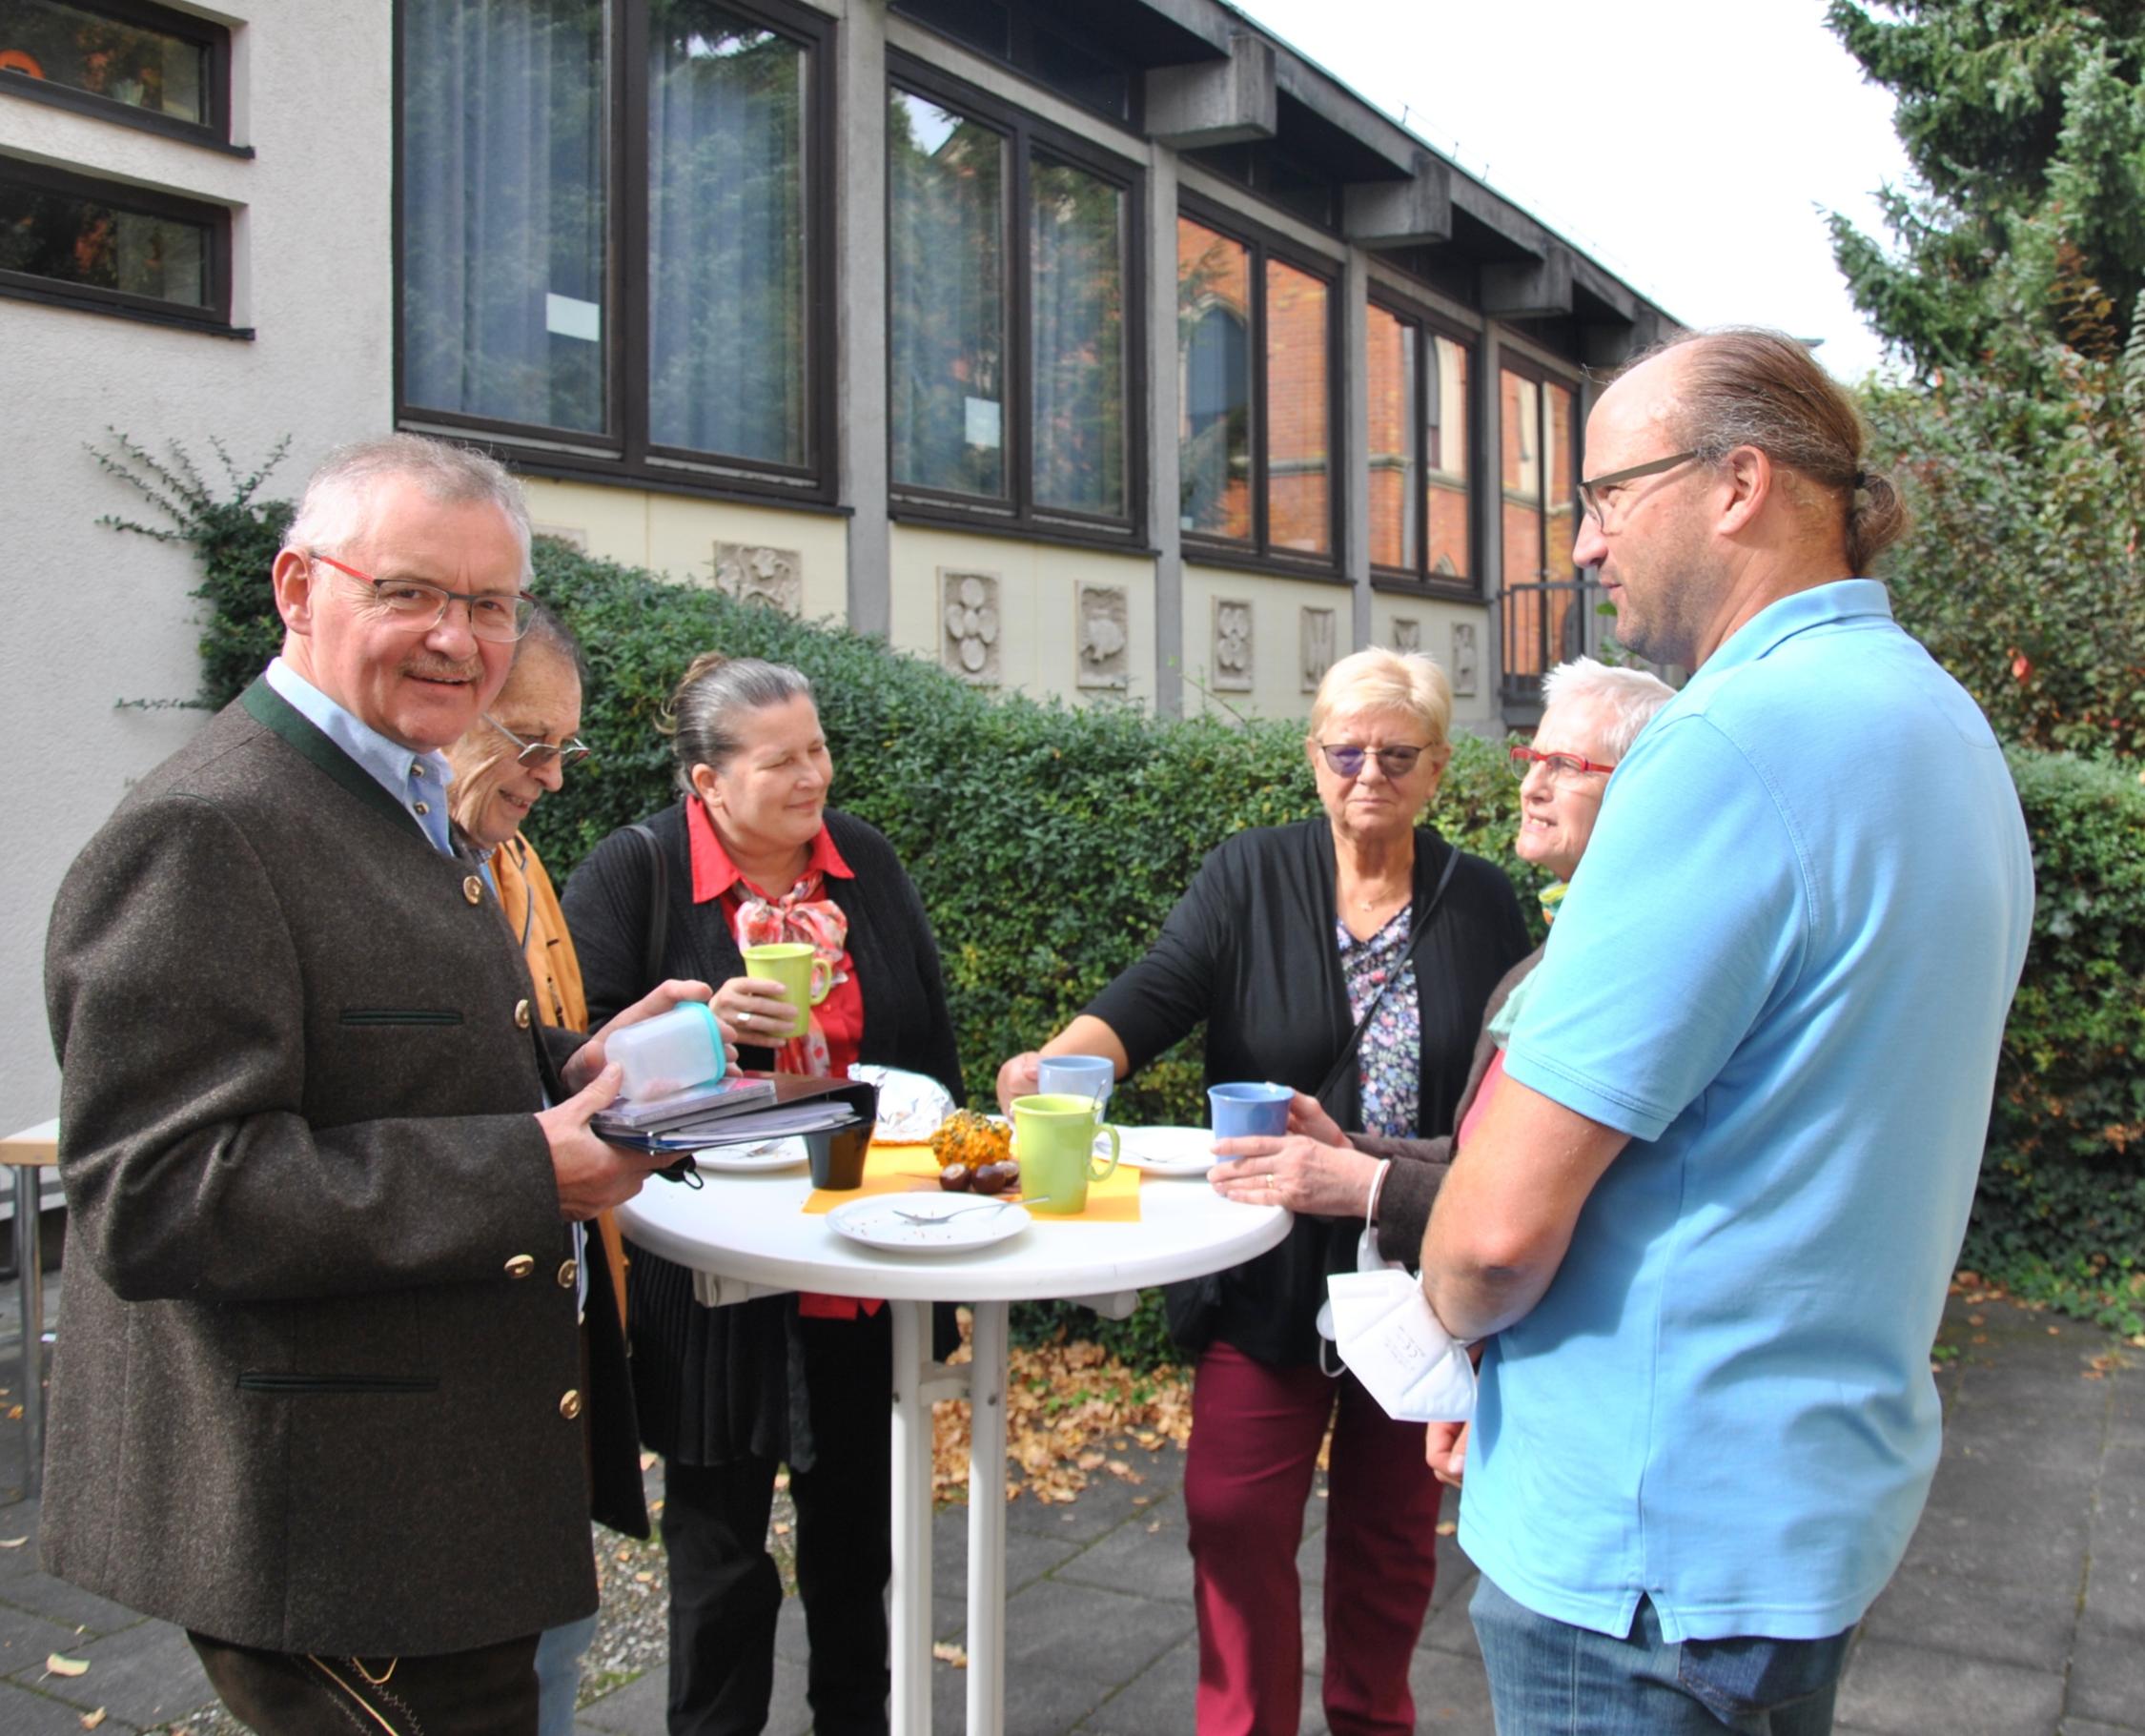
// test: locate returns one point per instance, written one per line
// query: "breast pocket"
(367, 1017)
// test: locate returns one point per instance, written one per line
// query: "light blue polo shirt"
(1782, 969)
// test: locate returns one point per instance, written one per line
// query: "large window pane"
(76, 239)
(1444, 450)
(1392, 359)
(946, 270)
(1298, 491)
(1564, 624)
(1078, 267)
(1522, 480)
(70, 44)
(729, 302)
(1213, 350)
(503, 212)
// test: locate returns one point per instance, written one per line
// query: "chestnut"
(955, 1178)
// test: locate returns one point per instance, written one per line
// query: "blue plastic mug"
(1239, 1111)
(1088, 1077)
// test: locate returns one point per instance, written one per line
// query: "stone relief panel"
(753, 572)
(968, 613)
(1101, 627)
(1462, 666)
(1407, 634)
(1232, 662)
(1319, 631)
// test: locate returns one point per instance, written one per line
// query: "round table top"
(755, 1228)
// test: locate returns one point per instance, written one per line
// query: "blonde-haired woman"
(1348, 957)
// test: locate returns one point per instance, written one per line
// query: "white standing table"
(751, 1233)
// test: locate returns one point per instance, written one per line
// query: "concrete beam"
(1616, 297)
(1216, 102)
(1609, 343)
(1349, 113)
(1495, 213)
(1530, 289)
(1415, 212)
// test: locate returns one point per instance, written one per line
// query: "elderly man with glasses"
(317, 1393)
(1708, 1220)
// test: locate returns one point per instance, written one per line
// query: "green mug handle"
(1109, 1169)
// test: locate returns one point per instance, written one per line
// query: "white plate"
(762, 1159)
(1169, 1150)
(965, 1222)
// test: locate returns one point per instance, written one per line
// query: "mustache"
(427, 668)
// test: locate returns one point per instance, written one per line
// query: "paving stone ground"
(2019, 1610)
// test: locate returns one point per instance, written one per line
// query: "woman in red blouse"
(752, 854)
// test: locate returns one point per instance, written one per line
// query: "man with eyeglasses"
(317, 1395)
(1708, 1221)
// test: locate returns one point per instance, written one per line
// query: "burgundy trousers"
(1256, 1431)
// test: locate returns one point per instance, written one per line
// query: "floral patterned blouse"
(1389, 1060)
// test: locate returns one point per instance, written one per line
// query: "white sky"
(1691, 146)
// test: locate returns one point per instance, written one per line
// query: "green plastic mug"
(1053, 1140)
(789, 963)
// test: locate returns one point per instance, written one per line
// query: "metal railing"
(1541, 626)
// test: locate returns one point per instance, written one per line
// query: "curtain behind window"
(727, 299)
(504, 210)
(1077, 223)
(946, 270)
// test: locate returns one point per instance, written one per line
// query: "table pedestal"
(918, 1383)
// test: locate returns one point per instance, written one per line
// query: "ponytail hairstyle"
(1745, 387)
(705, 716)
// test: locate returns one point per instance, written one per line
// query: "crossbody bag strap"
(659, 909)
(1420, 927)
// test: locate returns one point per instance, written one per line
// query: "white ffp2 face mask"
(1392, 1342)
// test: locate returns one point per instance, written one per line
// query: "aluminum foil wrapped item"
(910, 1106)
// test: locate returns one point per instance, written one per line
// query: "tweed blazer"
(319, 1372)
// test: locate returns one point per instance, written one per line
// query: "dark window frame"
(1257, 554)
(1420, 582)
(1540, 375)
(1017, 513)
(624, 454)
(143, 14)
(1020, 58)
(215, 318)
(1261, 159)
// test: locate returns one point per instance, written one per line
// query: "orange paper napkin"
(912, 1169)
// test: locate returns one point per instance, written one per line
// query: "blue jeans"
(1549, 1678)
(558, 1673)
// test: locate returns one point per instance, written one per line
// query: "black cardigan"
(1249, 949)
(713, 1384)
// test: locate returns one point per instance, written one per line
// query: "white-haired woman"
(1591, 715)
(1349, 956)
(752, 853)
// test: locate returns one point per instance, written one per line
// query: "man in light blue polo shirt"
(1710, 1213)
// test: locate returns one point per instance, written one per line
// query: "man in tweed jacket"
(318, 1390)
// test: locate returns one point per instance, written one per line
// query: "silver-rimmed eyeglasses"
(536, 755)
(500, 615)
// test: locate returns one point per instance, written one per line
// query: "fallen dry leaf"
(780, 1529)
(647, 1461)
(946, 1652)
(1977, 1319)
(2055, 1332)
(91, 1720)
(12, 1543)
(57, 1666)
(1446, 1528)
(644, 1578)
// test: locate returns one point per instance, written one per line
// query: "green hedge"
(1049, 842)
